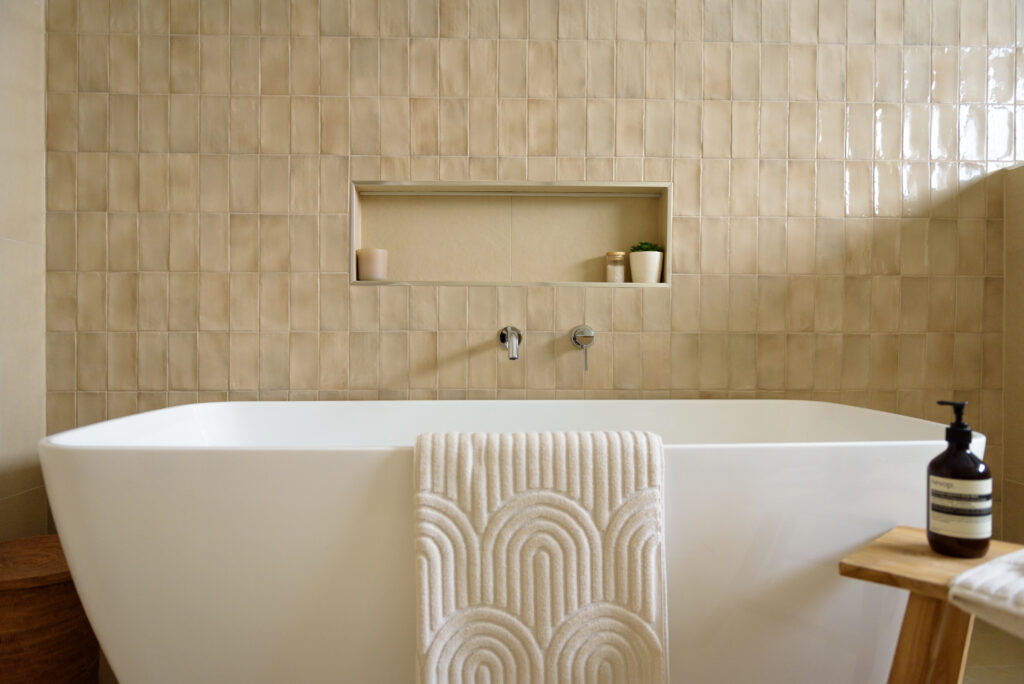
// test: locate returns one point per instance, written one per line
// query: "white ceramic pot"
(372, 264)
(645, 267)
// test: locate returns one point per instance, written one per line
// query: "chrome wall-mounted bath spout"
(511, 337)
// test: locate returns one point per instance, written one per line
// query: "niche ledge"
(495, 233)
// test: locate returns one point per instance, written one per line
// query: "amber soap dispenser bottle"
(959, 494)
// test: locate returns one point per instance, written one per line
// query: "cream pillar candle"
(371, 264)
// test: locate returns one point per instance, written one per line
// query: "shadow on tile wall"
(838, 231)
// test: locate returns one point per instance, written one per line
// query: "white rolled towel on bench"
(994, 592)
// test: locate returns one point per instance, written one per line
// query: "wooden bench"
(935, 635)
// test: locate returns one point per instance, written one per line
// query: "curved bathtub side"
(275, 565)
(755, 536)
(232, 566)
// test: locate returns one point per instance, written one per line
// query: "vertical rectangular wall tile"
(837, 226)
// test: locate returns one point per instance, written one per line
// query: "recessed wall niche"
(507, 233)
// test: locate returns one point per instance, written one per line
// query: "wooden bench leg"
(933, 643)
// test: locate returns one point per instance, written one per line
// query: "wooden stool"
(935, 634)
(44, 635)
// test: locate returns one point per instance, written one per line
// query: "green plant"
(646, 247)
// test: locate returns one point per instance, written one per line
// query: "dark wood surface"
(32, 562)
(45, 637)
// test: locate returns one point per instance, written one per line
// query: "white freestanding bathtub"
(273, 542)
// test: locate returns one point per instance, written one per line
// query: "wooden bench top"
(32, 562)
(902, 558)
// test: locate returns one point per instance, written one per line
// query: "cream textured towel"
(540, 558)
(993, 591)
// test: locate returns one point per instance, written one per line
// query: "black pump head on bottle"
(958, 433)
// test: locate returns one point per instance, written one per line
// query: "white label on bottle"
(960, 508)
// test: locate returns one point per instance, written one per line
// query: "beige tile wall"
(23, 508)
(838, 231)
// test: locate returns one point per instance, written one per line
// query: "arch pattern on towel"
(540, 557)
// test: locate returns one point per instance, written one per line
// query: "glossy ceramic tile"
(835, 195)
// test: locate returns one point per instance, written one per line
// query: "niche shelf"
(495, 233)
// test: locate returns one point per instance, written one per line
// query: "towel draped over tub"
(540, 558)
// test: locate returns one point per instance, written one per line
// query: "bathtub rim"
(53, 443)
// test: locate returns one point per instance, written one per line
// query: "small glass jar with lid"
(615, 267)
